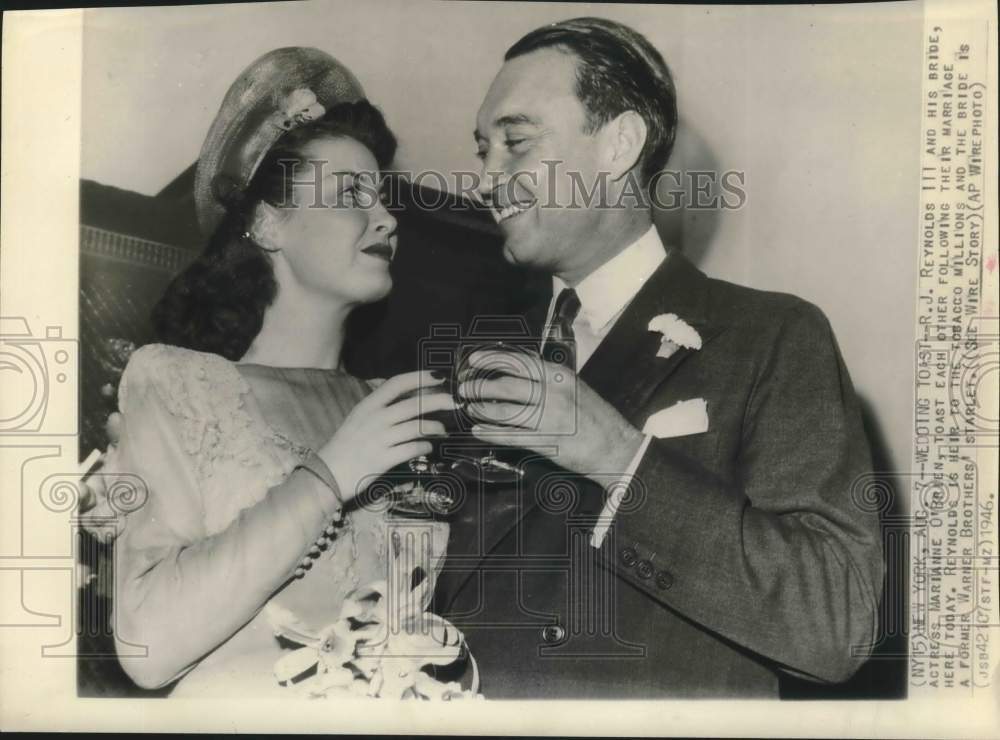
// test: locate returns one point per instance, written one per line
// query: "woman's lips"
(380, 250)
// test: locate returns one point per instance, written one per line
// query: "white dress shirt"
(604, 295)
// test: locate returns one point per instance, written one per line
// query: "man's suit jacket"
(741, 552)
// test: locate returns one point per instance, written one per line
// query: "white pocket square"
(684, 417)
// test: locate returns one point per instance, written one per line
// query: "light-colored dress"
(232, 498)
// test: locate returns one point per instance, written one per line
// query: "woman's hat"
(283, 89)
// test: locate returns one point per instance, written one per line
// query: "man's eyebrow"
(515, 119)
(512, 119)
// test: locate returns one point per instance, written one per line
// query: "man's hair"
(617, 70)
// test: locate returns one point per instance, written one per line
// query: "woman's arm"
(180, 592)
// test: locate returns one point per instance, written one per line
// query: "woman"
(249, 438)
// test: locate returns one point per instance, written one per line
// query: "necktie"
(559, 340)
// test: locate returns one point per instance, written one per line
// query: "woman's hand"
(385, 430)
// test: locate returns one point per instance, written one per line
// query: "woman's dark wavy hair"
(217, 303)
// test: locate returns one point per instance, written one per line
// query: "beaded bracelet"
(322, 543)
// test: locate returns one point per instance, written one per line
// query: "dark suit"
(746, 552)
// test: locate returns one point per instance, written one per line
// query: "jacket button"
(664, 580)
(553, 633)
(644, 569)
(629, 556)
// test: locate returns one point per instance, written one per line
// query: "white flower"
(676, 333)
(298, 107)
(360, 654)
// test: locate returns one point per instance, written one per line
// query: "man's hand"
(544, 407)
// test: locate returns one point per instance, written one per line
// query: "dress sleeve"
(180, 592)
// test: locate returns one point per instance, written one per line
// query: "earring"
(247, 237)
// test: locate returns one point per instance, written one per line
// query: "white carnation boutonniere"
(676, 333)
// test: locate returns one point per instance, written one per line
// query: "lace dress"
(232, 497)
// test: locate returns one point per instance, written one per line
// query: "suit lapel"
(624, 370)
(539, 291)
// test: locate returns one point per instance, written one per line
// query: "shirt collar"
(608, 289)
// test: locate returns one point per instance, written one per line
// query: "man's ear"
(264, 226)
(624, 137)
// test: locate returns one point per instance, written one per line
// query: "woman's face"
(335, 234)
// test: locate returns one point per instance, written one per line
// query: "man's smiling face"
(530, 134)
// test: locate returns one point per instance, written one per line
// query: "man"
(739, 551)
